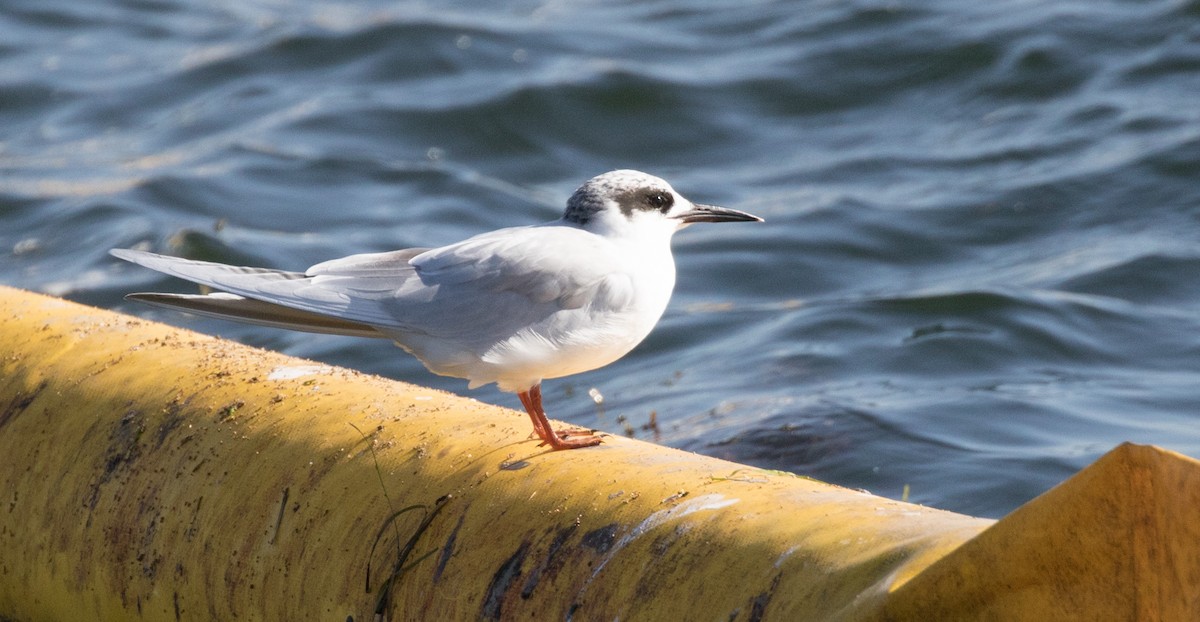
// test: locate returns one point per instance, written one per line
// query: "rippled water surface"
(980, 270)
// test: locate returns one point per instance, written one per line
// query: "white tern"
(515, 306)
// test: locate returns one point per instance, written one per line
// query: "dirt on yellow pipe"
(151, 473)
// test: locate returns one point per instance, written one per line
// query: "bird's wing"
(483, 288)
(545, 264)
(355, 295)
(205, 272)
(487, 289)
(233, 307)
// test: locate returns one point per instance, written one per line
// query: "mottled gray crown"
(630, 190)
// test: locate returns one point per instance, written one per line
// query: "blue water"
(981, 263)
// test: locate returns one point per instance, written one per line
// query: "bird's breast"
(619, 313)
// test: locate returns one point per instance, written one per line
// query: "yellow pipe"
(151, 473)
(1118, 541)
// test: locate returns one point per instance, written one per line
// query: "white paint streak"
(657, 519)
(785, 555)
(290, 372)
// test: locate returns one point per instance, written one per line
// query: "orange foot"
(571, 438)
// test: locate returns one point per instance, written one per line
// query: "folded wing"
(473, 293)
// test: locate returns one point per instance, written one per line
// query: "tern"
(514, 307)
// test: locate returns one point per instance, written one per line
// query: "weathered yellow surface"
(1119, 541)
(152, 473)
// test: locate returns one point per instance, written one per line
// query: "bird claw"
(563, 438)
(565, 432)
(571, 438)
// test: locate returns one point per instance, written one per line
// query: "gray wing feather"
(234, 307)
(521, 260)
(488, 288)
(353, 298)
(474, 293)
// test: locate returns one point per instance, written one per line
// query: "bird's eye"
(660, 201)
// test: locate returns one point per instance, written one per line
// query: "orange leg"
(532, 400)
(536, 395)
(527, 402)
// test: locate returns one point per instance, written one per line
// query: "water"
(980, 269)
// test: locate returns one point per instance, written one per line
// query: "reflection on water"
(979, 270)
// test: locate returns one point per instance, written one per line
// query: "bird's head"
(625, 201)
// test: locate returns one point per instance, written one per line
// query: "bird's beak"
(712, 213)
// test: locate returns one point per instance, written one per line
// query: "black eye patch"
(645, 199)
(660, 201)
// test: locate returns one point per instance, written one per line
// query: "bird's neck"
(645, 254)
